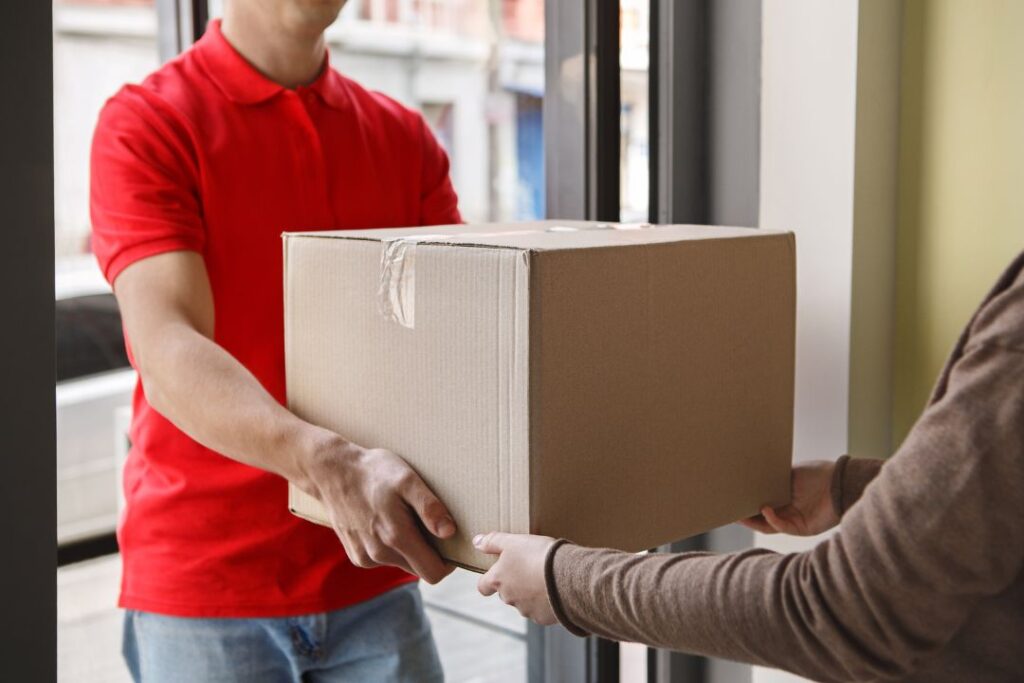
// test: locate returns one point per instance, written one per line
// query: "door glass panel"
(633, 58)
(98, 45)
(475, 68)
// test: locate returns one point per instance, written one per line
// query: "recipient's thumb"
(492, 543)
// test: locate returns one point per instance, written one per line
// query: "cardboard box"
(621, 386)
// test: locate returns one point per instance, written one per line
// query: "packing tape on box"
(396, 295)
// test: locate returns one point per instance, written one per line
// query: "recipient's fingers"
(428, 507)
(488, 583)
(758, 523)
(776, 521)
(545, 620)
(493, 543)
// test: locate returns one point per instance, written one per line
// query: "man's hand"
(518, 575)
(810, 512)
(378, 506)
(373, 496)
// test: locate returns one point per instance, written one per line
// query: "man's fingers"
(426, 563)
(382, 554)
(428, 507)
(356, 551)
(419, 556)
(492, 543)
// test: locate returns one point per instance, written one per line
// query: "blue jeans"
(384, 639)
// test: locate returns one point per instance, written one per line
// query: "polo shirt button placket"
(301, 100)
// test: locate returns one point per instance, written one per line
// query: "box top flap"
(550, 235)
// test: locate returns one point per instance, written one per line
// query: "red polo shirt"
(209, 156)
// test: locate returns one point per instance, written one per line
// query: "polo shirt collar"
(242, 83)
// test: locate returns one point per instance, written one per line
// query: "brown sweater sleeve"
(849, 479)
(912, 559)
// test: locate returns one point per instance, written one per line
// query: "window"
(475, 68)
(633, 59)
(634, 55)
(97, 46)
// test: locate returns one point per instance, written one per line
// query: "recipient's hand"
(810, 512)
(375, 501)
(518, 575)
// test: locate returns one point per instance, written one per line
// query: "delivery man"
(195, 175)
(923, 582)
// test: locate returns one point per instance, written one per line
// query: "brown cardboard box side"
(691, 429)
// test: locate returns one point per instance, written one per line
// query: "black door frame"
(582, 105)
(28, 494)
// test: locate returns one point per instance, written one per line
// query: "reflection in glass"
(633, 58)
(476, 70)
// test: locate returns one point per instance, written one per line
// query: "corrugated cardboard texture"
(449, 395)
(619, 387)
(661, 388)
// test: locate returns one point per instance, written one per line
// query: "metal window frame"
(678, 156)
(179, 24)
(705, 111)
(678, 111)
(582, 102)
(28, 500)
(582, 105)
(704, 168)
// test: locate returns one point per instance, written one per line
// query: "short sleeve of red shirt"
(144, 198)
(440, 205)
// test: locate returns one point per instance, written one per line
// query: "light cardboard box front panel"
(618, 387)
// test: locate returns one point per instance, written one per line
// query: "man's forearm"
(208, 394)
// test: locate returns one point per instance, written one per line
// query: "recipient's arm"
(849, 479)
(822, 491)
(168, 312)
(938, 531)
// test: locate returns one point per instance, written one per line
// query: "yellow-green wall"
(961, 178)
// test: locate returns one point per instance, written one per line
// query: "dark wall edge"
(28, 484)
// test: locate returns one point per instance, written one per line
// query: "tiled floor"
(481, 640)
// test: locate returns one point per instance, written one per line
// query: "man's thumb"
(430, 509)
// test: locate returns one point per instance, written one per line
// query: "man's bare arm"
(373, 496)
